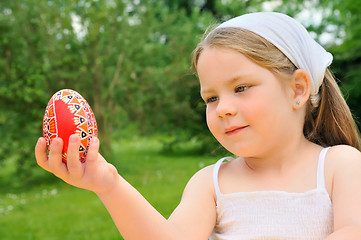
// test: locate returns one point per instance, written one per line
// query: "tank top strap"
(215, 174)
(321, 169)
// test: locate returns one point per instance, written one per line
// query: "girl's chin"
(241, 152)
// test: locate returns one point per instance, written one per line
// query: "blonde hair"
(329, 124)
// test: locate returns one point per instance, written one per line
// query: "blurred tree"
(26, 44)
(130, 60)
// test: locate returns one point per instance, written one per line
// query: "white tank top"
(274, 214)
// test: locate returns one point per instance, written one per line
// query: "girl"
(273, 103)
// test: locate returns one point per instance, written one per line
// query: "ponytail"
(331, 123)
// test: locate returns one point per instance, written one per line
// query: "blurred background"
(131, 60)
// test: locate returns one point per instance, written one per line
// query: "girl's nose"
(226, 108)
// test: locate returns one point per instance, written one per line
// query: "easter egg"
(67, 113)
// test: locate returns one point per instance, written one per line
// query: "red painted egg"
(67, 113)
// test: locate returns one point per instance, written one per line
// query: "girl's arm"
(194, 218)
(346, 192)
(134, 217)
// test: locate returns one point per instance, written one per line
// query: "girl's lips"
(234, 130)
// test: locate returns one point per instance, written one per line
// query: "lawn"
(54, 210)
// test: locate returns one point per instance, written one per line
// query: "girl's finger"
(74, 165)
(41, 154)
(92, 156)
(56, 164)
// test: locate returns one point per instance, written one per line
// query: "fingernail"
(73, 138)
(94, 140)
(54, 143)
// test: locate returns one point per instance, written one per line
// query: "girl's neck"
(279, 160)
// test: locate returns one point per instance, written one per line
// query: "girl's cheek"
(254, 109)
(211, 120)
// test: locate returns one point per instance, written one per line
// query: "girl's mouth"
(234, 130)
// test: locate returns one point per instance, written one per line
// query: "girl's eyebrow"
(228, 82)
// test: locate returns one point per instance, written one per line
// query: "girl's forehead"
(215, 58)
(217, 62)
(222, 67)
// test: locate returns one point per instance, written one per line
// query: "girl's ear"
(301, 85)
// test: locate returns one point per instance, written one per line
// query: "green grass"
(53, 210)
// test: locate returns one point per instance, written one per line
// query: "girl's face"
(249, 111)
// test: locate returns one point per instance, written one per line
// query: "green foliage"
(129, 60)
(22, 80)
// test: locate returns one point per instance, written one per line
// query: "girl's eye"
(211, 99)
(241, 88)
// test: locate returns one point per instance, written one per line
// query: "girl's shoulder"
(340, 159)
(343, 156)
(342, 166)
(203, 181)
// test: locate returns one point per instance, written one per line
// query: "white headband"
(292, 39)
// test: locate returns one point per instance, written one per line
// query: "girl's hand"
(95, 174)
